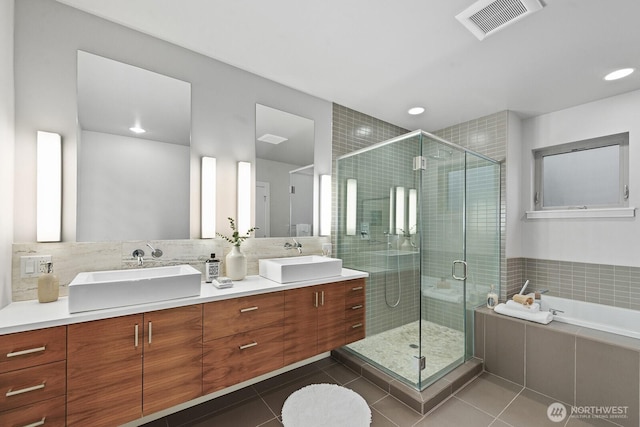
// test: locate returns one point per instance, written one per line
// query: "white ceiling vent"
(485, 17)
(272, 139)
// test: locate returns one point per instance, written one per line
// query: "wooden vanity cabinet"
(32, 377)
(314, 320)
(243, 338)
(123, 368)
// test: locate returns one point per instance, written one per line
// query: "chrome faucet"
(139, 253)
(295, 245)
(156, 253)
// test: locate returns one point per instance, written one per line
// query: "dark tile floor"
(485, 401)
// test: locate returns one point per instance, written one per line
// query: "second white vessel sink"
(116, 288)
(301, 268)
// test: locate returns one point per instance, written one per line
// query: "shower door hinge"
(422, 362)
(292, 189)
(419, 163)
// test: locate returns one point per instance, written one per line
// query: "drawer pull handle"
(29, 351)
(24, 390)
(356, 307)
(358, 288)
(244, 310)
(37, 423)
(357, 325)
(253, 344)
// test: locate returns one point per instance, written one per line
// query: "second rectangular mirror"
(284, 174)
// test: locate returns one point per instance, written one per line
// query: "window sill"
(583, 213)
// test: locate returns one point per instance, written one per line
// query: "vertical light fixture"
(244, 197)
(400, 211)
(49, 187)
(352, 197)
(413, 211)
(208, 198)
(392, 211)
(325, 205)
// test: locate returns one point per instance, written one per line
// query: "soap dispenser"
(492, 299)
(48, 285)
(212, 269)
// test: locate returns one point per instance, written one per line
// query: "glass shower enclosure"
(422, 217)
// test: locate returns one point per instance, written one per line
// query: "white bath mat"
(325, 405)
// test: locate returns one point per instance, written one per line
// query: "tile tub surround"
(574, 365)
(614, 285)
(71, 258)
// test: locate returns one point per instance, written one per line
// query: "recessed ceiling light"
(618, 74)
(137, 129)
(416, 110)
(272, 139)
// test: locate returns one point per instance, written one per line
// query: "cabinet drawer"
(230, 317)
(49, 413)
(31, 385)
(355, 331)
(354, 292)
(25, 349)
(354, 314)
(231, 360)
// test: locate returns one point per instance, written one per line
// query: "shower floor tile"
(397, 349)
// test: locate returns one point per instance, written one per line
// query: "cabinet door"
(172, 369)
(104, 371)
(331, 333)
(300, 323)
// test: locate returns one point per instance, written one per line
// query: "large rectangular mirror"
(133, 153)
(285, 176)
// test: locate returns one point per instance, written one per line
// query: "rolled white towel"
(543, 317)
(533, 308)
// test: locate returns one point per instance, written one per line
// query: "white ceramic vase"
(236, 264)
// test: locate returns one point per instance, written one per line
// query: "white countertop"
(29, 315)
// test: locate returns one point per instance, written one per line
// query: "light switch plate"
(33, 265)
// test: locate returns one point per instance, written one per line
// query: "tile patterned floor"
(486, 401)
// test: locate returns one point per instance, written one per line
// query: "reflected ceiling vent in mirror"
(485, 17)
(272, 139)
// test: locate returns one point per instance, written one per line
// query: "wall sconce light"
(352, 197)
(244, 197)
(325, 205)
(413, 211)
(49, 187)
(400, 211)
(392, 211)
(208, 198)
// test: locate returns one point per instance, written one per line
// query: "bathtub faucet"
(555, 311)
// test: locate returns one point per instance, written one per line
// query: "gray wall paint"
(7, 142)
(48, 35)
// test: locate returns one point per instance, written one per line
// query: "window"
(581, 175)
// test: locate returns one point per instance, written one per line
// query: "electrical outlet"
(33, 265)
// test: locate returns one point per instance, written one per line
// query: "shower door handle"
(464, 269)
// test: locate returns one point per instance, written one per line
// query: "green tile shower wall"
(613, 285)
(353, 131)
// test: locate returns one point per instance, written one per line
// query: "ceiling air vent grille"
(485, 17)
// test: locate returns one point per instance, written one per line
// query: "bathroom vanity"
(112, 366)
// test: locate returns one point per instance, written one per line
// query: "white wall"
(48, 35)
(604, 241)
(7, 141)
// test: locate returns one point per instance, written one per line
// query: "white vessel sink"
(116, 288)
(301, 268)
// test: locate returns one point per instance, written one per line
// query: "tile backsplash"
(71, 258)
(614, 285)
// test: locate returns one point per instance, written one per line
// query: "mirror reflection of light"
(208, 202)
(363, 131)
(325, 205)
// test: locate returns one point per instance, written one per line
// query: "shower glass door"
(442, 229)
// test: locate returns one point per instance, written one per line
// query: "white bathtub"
(621, 321)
